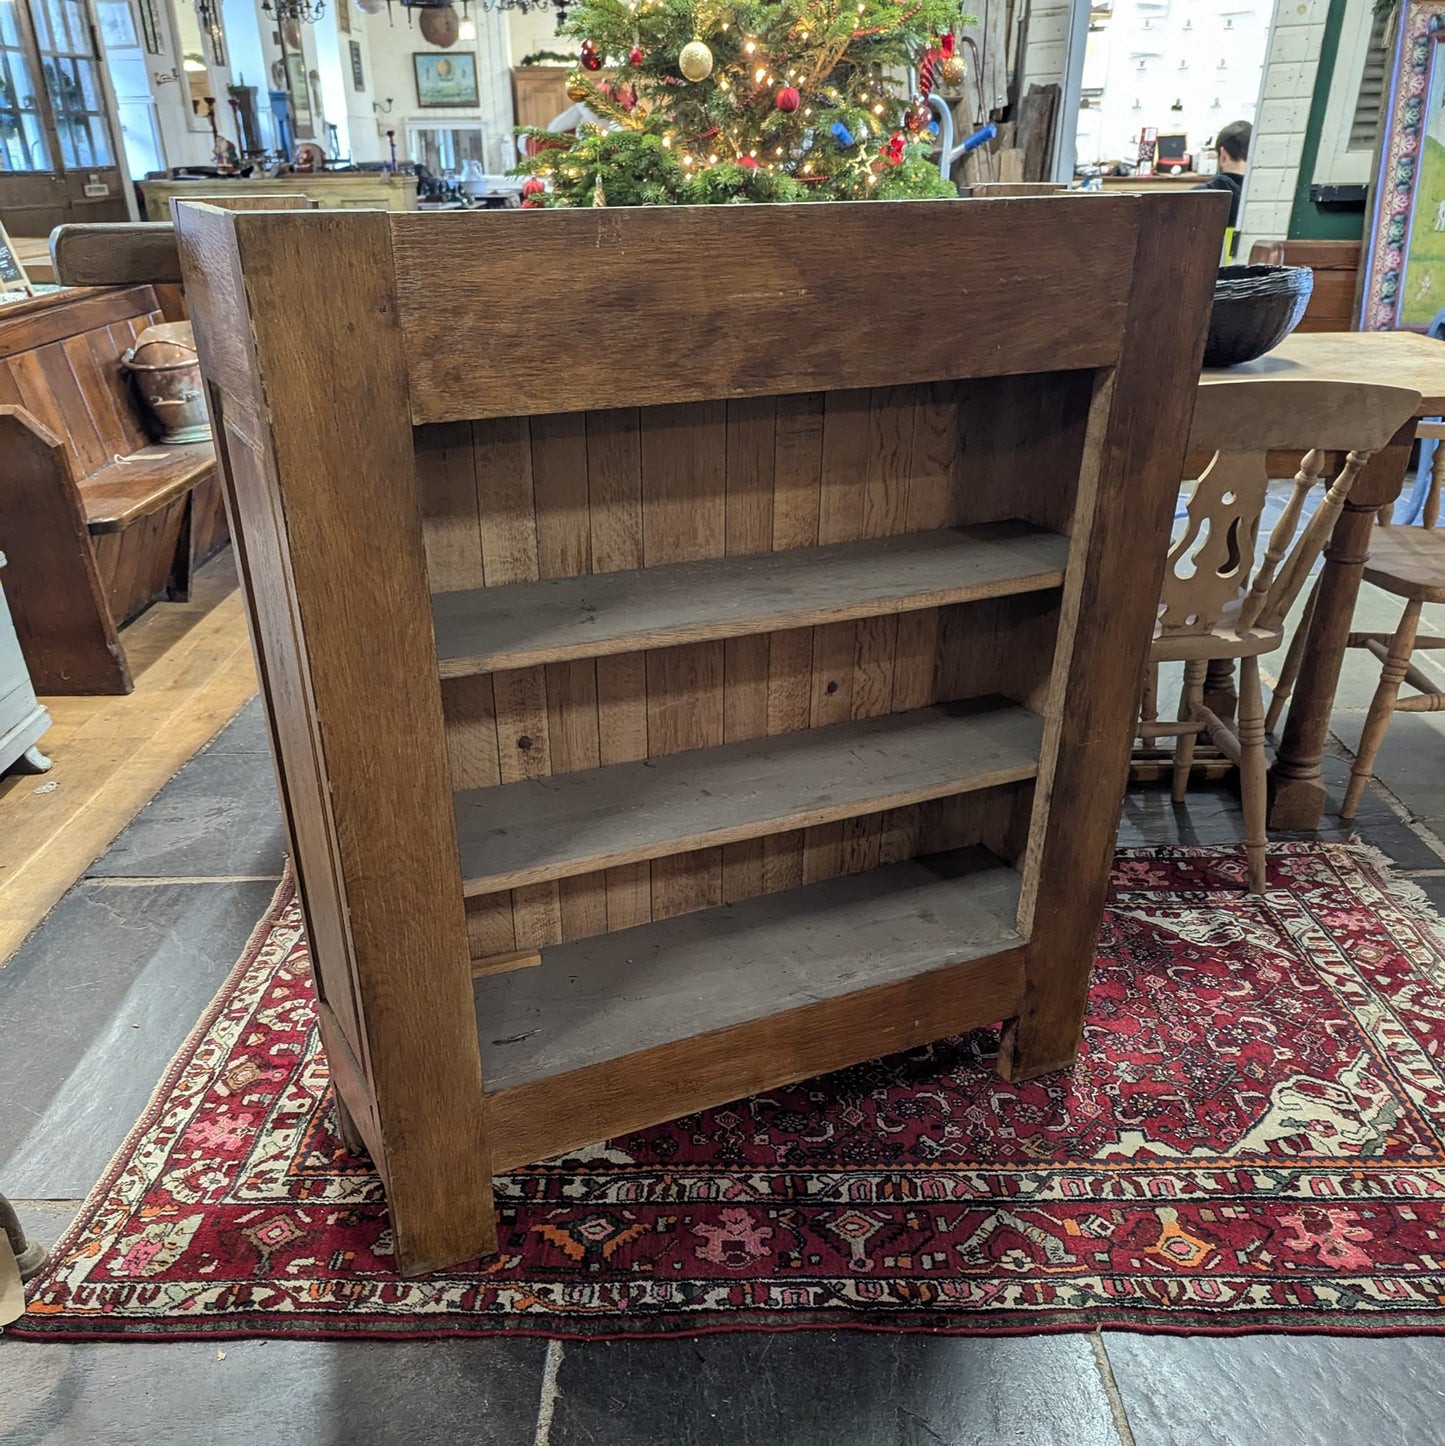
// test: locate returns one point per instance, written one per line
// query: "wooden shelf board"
(523, 624)
(650, 988)
(575, 823)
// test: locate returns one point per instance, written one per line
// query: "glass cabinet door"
(57, 143)
(22, 133)
(71, 68)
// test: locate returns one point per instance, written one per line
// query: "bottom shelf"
(639, 1025)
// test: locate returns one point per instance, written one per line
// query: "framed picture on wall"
(343, 16)
(1402, 281)
(358, 76)
(445, 80)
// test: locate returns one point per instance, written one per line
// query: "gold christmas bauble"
(575, 89)
(695, 61)
(952, 72)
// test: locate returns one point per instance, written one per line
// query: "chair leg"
(1221, 696)
(1252, 787)
(1293, 657)
(1191, 696)
(1149, 706)
(1382, 705)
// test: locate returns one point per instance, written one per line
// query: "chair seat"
(1408, 561)
(1183, 647)
(122, 492)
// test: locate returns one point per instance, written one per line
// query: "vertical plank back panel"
(1021, 448)
(509, 500)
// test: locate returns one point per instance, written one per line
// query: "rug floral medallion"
(1251, 1140)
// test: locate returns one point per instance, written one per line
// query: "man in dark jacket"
(1232, 147)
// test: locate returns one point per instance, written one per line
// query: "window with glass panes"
(22, 135)
(72, 81)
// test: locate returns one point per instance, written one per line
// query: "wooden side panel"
(52, 583)
(320, 405)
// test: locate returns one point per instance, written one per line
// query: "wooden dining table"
(1395, 358)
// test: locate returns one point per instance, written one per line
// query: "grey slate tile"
(245, 733)
(263, 1393)
(44, 1221)
(1289, 1390)
(1400, 843)
(1411, 761)
(849, 1388)
(218, 817)
(92, 1007)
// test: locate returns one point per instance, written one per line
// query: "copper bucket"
(167, 377)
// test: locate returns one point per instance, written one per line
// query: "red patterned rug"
(1252, 1140)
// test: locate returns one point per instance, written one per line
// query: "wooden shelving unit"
(676, 718)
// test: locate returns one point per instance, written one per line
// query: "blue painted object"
(1410, 509)
(842, 134)
(979, 138)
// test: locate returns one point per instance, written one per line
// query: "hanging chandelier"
(484, 5)
(308, 12)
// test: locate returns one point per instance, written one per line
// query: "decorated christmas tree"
(704, 101)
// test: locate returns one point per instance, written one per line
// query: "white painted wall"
(392, 76)
(1291, 68)
(1047, 42)
(1202, 56)
(533, 31)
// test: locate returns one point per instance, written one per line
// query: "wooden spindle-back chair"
(1217, 603)
(1408, 561)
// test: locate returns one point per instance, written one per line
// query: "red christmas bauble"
(532, 186)
(788, 98)
(747, 163)
(590, 58)
(634, 56)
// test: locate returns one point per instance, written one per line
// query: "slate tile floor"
(95, 1003)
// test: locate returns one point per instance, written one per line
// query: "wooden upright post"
(1133, 462)
(309, 387)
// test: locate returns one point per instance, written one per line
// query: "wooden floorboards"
(193, 670)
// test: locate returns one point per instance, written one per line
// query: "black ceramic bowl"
(1255, 308)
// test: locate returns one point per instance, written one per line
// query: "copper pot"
(167, 377)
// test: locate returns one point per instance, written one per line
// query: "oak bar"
(744, 704)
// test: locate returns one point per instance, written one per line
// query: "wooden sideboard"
(1336, 265)
(328, 191)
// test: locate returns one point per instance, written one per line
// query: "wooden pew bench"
(98, 522)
